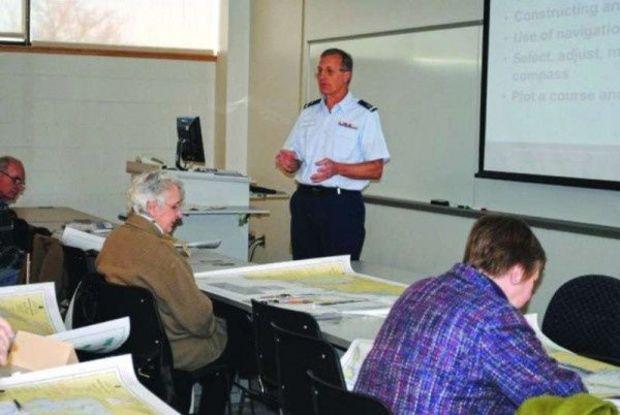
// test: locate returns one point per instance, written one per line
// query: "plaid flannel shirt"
(453, 345)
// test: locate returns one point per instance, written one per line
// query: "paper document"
(307, 267)
(103, 386)
(353, 359)
(31, 308)
(581, 364)
(188, 248)
(97, 338)
(571, 360)
(330, 274)
(549, 345)
(323, 287)
(604, 384)
(83, 239)
(374, 312)
(205, 244)
(94, 226)
(601, 379)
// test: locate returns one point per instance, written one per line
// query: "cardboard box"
(31, 352)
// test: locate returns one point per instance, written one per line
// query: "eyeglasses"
(17, 181)
(328, 71)
(175, 206)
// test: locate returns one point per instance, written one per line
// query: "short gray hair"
(151, 186)
(5, 161)
(346, 59)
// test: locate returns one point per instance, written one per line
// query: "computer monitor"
(189, 145)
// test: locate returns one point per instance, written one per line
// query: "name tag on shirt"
(347, 125)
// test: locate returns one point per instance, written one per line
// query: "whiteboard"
(426, 85)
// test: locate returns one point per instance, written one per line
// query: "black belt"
(323, 191)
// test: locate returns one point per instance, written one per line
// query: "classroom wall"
(232, 86)
(275, 82)
(425, 243)
(76, 120)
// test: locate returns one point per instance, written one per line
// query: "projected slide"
(553, 88)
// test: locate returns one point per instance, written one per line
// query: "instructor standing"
(335, 148)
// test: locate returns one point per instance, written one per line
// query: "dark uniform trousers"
(327, 221)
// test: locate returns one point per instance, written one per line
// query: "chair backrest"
(77, 264)
(97, 301)
(240, 343)
(295, 355)
(329, 399)
(262, 316)
(584, 317)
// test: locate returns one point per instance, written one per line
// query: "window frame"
(20, 38)
(26, 45)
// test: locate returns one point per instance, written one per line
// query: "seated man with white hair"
(141, 253)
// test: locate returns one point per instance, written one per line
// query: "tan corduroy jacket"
(138, 254)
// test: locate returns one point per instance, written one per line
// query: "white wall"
(327, 18)
(232, 87)
(275, 80)
(75, 120)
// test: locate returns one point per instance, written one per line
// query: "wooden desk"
(52, 217)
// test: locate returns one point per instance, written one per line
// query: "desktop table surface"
(338, 331)
(52, 218)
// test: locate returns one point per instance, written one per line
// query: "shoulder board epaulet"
(366, 105)
(311, 103)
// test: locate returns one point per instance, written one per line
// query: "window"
(13, 21)
(151, 25)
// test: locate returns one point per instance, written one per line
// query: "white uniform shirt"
(350, 133)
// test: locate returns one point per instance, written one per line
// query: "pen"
(336, 302)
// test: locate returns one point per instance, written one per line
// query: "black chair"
(240, 343)
(263, 315)
(330, 399)
(97, 301)
(584, 317)
(295, 355)
(24, 233)
(77, 263)
(266, 373)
